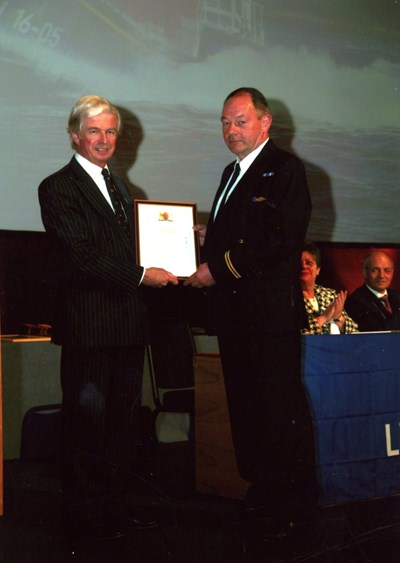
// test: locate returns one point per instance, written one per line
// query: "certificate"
(165, 237)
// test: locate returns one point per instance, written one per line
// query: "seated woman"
(324, 306)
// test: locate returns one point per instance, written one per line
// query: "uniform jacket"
(369, 312)
(324, 296)
(253, 247)
(98, 296)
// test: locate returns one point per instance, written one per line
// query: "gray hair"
(89, 106)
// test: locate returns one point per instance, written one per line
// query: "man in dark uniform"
(252, 255)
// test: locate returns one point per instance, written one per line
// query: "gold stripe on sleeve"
(231, 267)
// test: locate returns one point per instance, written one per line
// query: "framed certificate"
(165, 237)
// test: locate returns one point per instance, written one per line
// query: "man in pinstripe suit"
(100, 322)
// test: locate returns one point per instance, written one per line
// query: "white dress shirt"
(94, 172)
(244, 166)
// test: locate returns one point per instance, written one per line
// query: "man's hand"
(158, 277)
(201, 233)
(201, 278)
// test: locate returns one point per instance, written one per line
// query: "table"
(353, 384)
(31, 377)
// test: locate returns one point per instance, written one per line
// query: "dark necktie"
(236, 172)
(116, 201)
(386, 303)
(225, 193)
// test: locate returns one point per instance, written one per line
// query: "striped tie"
(386, 303)
(116, 201)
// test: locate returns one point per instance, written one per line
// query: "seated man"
(374, 306)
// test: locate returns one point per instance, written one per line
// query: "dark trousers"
(270, 417)
(100, 406)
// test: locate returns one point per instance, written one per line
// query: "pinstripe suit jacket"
(254, 245)
(99, 300)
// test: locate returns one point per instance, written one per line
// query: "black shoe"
(103, 532)
(106, 533)
(249, 515)
(136, 523)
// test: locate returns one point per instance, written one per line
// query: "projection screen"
(329, 69)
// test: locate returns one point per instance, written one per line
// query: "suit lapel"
(225, 177)
(91, 192)
(126, 202)
(245, 187)
(377, 305)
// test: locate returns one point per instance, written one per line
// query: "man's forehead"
(240, 114)
(242, 101)
(381, 262)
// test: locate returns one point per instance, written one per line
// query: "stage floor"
(194, 527)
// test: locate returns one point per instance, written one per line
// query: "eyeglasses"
(309, 263)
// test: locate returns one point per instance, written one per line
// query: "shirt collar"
(92, 169)
(378, 294)
(250, 158)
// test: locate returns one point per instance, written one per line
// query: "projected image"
(330, 71)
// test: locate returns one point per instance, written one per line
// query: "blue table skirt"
(353, 382)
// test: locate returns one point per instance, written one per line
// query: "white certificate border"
(165, 237)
